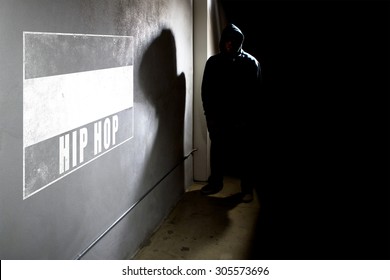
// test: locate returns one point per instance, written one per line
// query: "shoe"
(210, 189)
(248, 197)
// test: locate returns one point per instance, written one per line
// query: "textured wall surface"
(95, 124)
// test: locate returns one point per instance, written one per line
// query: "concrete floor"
(203, 227)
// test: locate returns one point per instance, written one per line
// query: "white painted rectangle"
(56, 104)
(77, 102)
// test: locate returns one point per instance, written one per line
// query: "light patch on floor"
(202, 227)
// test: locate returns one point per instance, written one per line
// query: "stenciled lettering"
(73, 145)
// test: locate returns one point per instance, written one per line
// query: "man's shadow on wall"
(165, 91)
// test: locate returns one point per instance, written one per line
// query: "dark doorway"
(323, 120)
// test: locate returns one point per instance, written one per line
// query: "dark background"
(323, 126)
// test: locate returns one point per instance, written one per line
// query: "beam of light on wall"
(77, 102)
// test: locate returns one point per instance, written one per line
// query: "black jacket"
(231, 81)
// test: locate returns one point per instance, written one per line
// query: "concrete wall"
(95, 124)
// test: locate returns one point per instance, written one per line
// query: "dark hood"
(233, 33)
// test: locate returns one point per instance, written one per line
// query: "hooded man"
(230, 88)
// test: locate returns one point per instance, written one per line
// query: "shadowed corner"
(164, 90)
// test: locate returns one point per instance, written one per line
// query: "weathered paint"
(71, 82)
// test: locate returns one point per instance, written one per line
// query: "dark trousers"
(232, 143)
